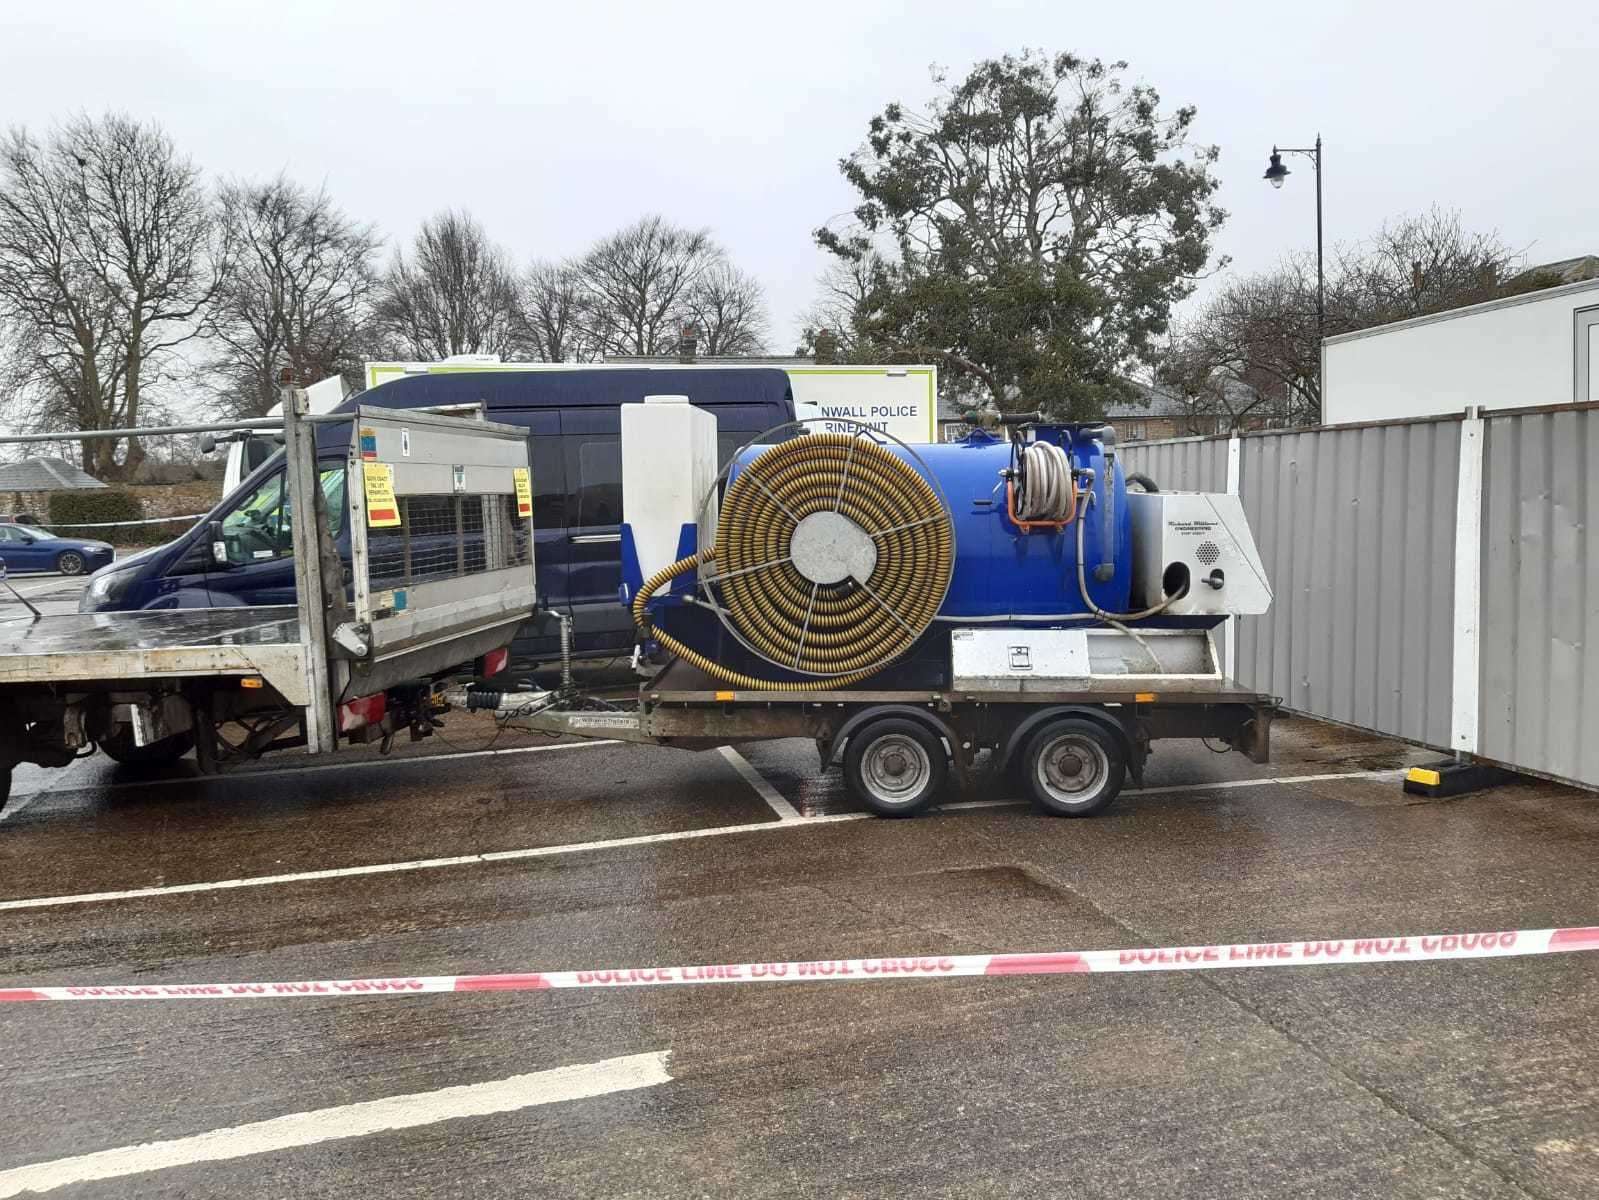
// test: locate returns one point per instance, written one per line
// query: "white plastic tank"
(668, 469)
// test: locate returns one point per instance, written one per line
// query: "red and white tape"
(1505, 943)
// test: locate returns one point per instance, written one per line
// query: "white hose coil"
(1047, 479)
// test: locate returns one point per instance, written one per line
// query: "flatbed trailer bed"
(879, 734)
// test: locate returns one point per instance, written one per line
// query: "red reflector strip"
(365, 710)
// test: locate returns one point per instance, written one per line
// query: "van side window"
(594, 471)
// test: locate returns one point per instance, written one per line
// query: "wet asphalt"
(46, 591)
(1470, 1079)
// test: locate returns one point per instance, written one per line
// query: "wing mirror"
(219, 544)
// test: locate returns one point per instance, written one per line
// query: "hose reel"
(832, 556)
(1047, 489)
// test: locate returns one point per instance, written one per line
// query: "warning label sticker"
(369, 443)
(382, 509)
(524, 491)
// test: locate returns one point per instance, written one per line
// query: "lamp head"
(1276, 172)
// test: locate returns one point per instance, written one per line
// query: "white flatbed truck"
(359, 657)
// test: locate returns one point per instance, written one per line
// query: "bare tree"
(551, 319)
(728, 306)
(840, 308)
(1425, 264)
(1253, 352)
(298, 295)
(455, 294)
(637, 283)
(1250, 355)
(108, 259)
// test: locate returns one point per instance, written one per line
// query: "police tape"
(1506, 943)
(52, 525)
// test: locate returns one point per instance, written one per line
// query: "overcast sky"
(556, 122)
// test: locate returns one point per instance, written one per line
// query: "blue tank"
(1002, 572)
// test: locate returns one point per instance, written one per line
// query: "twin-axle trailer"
(406, 614)
(1067, 748)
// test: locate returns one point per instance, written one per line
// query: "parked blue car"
(24, 548)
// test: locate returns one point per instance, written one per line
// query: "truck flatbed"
(188, 643)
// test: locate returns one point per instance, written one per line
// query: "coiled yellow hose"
(843, 632)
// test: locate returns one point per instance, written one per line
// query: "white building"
(1525, 351)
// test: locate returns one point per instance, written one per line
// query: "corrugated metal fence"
(1358, 525)
(1540, 592)
(1183, 465)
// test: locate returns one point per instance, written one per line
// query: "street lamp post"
(1275, 174)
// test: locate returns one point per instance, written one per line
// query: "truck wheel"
(156, 754)
(895, 767)
(1073, 767)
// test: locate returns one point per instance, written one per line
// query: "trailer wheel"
(895, 767)
(1073, 767)
(156, 754)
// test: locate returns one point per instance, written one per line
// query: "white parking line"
(646, 839)
(774, 798)
(13, 807)
(421, 864)
(55, 583)
(1171, 789)
(1214, 786)
(625, 1074)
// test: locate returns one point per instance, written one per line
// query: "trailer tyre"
(895, 767)
(1073, 767)
(156, 754)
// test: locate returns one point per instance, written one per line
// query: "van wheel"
(156, 754)
(895, 767)
(1073, 767)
